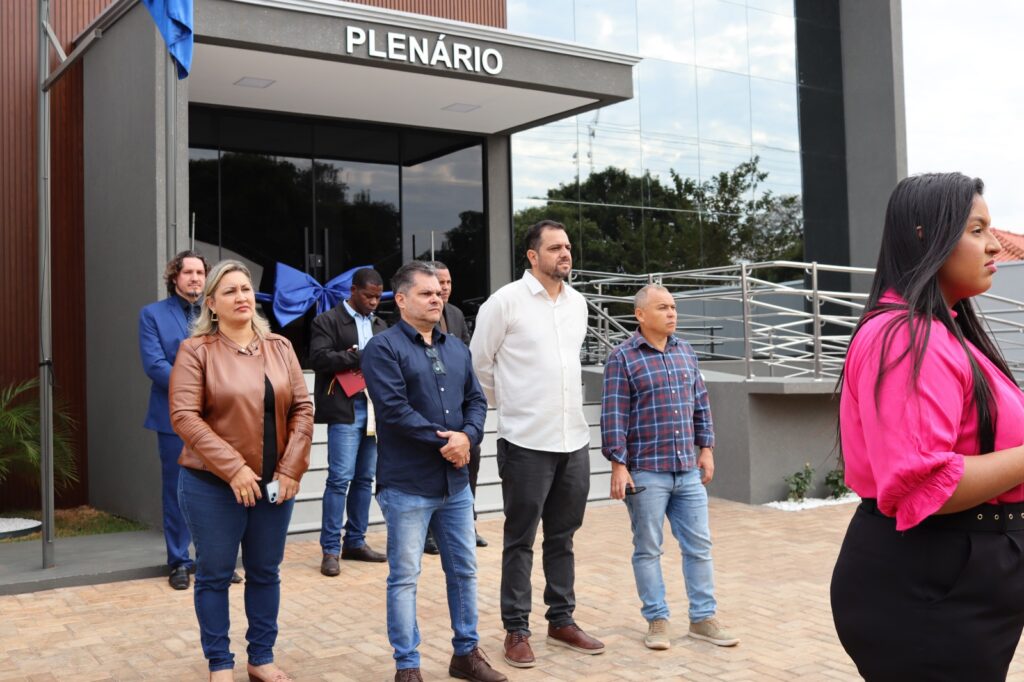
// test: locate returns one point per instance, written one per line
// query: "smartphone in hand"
(273, 491)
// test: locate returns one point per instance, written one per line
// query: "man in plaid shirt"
(656, 431)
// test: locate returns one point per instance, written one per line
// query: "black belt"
(985, 518)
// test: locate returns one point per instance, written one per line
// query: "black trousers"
(931, 603)
(549, 488)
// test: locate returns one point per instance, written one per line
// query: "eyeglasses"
(435, 360)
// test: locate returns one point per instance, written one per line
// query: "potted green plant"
(19, 437)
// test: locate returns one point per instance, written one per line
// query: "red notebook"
(351, 381)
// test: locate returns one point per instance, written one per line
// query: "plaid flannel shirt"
(654, 407)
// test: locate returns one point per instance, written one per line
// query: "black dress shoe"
(235, 578)
(179, 578)
(480, 542)
(364, 553)
(430, 547)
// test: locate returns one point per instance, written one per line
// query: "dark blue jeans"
(219, 525)
(176, 534)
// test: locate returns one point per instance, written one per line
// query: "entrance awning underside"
(330, 58)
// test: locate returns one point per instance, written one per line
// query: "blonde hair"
(205, 324)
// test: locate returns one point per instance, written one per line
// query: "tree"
(624, 223)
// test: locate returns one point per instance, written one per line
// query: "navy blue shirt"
(415, 396)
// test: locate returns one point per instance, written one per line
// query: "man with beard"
(526, 353)
(162, 327)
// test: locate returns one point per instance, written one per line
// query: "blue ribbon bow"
(295, 292)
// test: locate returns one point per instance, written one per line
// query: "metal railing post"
(816, 305)
(747, 342)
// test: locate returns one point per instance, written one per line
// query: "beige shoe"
(657, 635)
(711, 631)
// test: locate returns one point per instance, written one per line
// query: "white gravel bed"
(812, 502)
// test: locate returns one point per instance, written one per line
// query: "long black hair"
(924, 222)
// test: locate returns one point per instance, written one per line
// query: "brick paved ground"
(772, 572)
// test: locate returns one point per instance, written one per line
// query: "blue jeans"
(219, 525)
(351, 464)
(683, 499)
(451, 521)
(176, 535)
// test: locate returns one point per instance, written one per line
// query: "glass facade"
(327, 196)
(701, 168)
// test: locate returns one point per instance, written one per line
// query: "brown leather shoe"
(518, 653)
(571, 636)
(329, 565)
(364, 553)
(474, 666)
(408, 675)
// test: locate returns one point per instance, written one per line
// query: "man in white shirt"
(526, 354)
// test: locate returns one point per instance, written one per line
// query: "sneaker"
(710, 631)
(657, 635)
(475, 667)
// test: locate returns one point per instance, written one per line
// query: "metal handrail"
(771, 317)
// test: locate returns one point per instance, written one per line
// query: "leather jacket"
(216, 402)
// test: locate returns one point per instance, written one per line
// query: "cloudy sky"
(965, 96)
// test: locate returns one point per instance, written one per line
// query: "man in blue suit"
(162, 327)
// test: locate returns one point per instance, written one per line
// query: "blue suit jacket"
(162, 327)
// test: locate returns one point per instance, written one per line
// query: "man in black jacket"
(336, 343)
(454, 322)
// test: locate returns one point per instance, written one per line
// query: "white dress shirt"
(526, 354)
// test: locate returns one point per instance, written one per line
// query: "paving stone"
(772, 576)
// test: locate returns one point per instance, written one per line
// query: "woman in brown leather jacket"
(239, 402)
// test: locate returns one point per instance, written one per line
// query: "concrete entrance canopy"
(341, 60)
(319, 58)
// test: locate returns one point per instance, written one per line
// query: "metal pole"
(816, 305)
(45, 332)
(747, 343)
(171, 150)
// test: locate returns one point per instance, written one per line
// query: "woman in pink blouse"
(929, 584)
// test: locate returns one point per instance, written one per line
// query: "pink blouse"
(907, 448)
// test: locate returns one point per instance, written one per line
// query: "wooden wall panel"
(485, 12)
(19, 351)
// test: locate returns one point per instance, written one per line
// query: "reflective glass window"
(772, 45)
(609, 24)
(721, 158)
(357, 215)
(783, 169)
(543, 158)
(204, 200)
(773, 114)
(665, 30)
(723, 106)
(721, 35)
(443, 218)
(550, 18)
(667, 98)
(784, 7)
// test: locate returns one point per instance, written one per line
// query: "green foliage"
(835, 481)
(19, 437)
(701, 224)
(800, 482)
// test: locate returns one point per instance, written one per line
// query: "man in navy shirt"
(429, 411)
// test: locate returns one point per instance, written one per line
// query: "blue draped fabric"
(295, 292)
(173, 19)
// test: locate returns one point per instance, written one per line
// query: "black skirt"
(941, 601)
